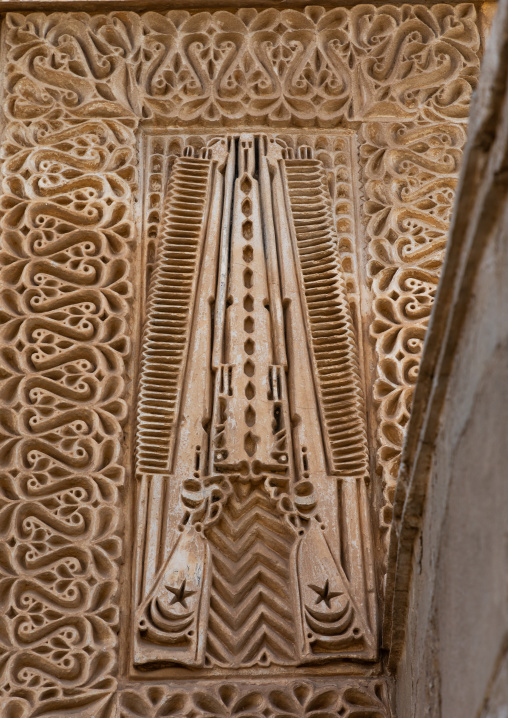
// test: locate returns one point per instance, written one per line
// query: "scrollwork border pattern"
(76, 87)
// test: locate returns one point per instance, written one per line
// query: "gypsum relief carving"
(251, 446)
(66, 229)
(411, 172)
(414, 63)
(74, 84)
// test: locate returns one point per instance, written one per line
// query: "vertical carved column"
(416, 72)
(66, 220)
(411, 172)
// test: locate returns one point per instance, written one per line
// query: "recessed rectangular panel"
(252, 457)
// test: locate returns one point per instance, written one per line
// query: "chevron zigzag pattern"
(251, 620)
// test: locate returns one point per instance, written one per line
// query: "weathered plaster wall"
(451, 538)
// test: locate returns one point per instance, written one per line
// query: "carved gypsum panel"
(70, 71)
(218, 552)
(296, 699)
(335, 154)
(66, 233)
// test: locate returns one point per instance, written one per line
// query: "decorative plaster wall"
(77, 90)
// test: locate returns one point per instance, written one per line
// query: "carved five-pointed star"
(324, 594)
(180, 594)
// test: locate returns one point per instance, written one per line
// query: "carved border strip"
(75, 87)
(67, 228)
(299, 699)
(275, 67)
(410, 171)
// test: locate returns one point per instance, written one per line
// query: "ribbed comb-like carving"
(329, 318)
(169, 312)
